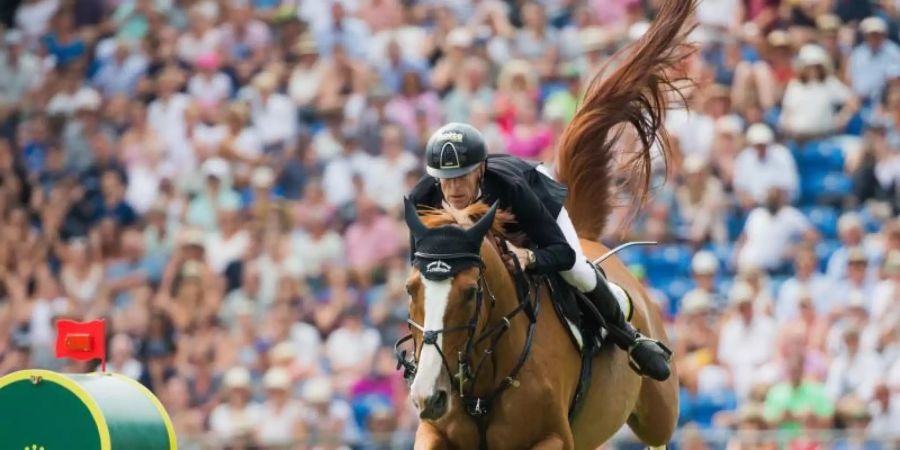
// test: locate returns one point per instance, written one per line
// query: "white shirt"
(33, 18)
(271, 271)
(278, 426)
(347, 348)
(857, 374)
(315, 253)
(756, 176)
(276, 119)
(745, 347)
(695, 132)
(770, 237)
(809, 108)
(386, 179)
(166, 117)
(819, 288)
(721, 13)
(307, 341)
(227, 423)
(209, 91)
(337, 179)
(221, 251)
(303, 85)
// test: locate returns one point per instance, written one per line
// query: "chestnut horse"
(503, 372)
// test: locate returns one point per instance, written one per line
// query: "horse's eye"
(409, 290)
(469, 293)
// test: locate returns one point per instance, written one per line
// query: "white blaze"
(430, 364)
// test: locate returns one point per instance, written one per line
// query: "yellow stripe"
(170, 430)
(72, 387)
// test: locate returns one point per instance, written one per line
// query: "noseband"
(465, 378)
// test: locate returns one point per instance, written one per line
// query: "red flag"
(81, 340)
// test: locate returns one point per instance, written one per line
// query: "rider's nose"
(433, 407)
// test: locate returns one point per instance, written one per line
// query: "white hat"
(262, 177)
(696, 300)
(282, 352)
(317, 390)
(704, 263)
(760, 134)
(459, 37)
(694, 163)
(236, 377)
(873, 25)
(216, 167)
(740, 293)
(87, 99)
(813, 55)
(13, 37)
(277, 378)
(849, 220)
(730, 124)
(637, 30)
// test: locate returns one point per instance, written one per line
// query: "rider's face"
(460, 192)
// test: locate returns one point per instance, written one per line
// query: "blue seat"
(735, 224)
(819, 186)
(675, 288)
(668, 260)
(820, 156)
(824, 250)
(824, 218)
(725, 253)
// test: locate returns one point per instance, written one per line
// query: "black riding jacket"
(532, 197)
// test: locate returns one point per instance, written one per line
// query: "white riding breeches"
(582, 275)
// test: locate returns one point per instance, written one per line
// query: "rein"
(465, 378)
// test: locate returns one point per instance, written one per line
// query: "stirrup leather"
(634, 365)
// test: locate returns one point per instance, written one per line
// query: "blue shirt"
(64, 52)
(870, 70)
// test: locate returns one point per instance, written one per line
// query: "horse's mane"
(434, 217)
(636, 93)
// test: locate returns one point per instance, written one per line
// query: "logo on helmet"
(449, 156)
(451, 136)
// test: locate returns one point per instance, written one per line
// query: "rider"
(460, 172)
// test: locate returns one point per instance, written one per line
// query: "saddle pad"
(624, 303)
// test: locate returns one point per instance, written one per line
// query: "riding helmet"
(454, 150)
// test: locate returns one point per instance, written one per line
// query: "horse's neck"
(500, 288)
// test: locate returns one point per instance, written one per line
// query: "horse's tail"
(636, 93)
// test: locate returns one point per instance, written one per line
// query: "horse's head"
(445, 290)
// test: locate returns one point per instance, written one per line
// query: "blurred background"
(221, 180)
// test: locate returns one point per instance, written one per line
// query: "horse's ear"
(480, 229)
(416, 227)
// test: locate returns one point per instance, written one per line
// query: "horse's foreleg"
(429, 438)
(553, 442)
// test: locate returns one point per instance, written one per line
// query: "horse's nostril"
(435, 406)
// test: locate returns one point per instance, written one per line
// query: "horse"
(499, 373)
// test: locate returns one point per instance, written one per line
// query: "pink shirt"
(528, 146)
(371, 244)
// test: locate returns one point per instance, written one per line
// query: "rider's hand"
(521, 254)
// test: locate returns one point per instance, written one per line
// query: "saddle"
(586, 330)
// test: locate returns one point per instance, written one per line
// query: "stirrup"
(634, 365)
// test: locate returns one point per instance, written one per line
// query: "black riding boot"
(646, 356)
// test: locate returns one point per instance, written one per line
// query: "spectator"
(812, 97)
(747, 339)
(371, 241)
(771, 232)
(788, 402)
(854, 371)
(806, 282)
(19, 68)
(701, 204)
(763, 166)
(281, 425)
(873, 61)
(236, 419)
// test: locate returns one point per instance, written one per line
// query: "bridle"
(465, 377)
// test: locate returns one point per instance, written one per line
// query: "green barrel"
(44, 410)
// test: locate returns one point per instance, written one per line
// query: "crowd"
(221, 181)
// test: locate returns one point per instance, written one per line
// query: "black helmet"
(454, 150)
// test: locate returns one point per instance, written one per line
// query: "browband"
(447, 255)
